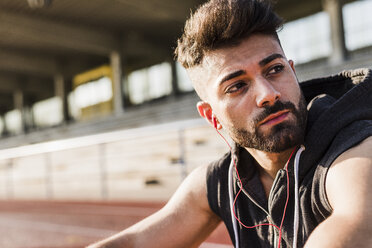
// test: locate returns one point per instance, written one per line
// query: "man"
(301, 176)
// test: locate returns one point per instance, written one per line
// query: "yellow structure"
(101, 108)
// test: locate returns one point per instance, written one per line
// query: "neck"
(270, 163)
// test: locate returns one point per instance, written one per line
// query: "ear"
(205, 111)
(291, 63)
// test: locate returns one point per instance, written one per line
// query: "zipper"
(278, 175)
(269, 218)
(253, 200)
(276, 180)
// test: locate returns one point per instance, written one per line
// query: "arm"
(185, 221)
(349, 191)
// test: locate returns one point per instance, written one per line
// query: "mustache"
(278, 106)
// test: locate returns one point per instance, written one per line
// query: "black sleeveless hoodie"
(339, 117)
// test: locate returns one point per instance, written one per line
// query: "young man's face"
(253, 91)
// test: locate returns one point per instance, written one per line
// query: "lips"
(275, 118)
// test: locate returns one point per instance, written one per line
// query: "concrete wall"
(137, 164)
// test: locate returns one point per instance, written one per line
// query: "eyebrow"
(262, 63)
(270, 58)
(231, 76)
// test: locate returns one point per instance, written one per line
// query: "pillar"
(115, 61)
(5, 127)
(175, 87)
(334, 10)
(60, 91)
(18, 97)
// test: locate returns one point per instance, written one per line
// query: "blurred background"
(94, 110)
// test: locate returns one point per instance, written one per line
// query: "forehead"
(249, 52)
(243, 56)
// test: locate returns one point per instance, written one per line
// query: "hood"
(335, 102)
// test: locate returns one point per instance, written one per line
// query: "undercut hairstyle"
(224, 23)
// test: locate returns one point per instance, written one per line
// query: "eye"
(275, 69)
(235, 87)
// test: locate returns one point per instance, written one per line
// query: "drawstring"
(231, 200)
(297, 201)
(297, 198)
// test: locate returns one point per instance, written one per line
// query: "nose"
(267, 95)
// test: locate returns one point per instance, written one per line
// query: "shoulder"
(196, 189)
(357, 156)
(348, 179)
(191, 195)
(194, 186)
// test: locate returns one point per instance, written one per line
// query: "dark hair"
(220, 23)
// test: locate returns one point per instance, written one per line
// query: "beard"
(282, 136)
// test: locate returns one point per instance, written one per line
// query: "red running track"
(50, 224)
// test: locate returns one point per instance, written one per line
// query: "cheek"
(291, 92)
(237, 116)
(297, 99)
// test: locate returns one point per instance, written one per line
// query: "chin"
(283, 138)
